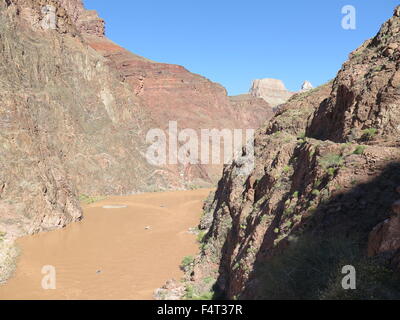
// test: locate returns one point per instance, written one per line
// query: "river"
(124, 248)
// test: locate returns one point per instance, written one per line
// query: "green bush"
(332, 171)
(187, 261)
(302, 136)
(316, 192)
(90, 199)
(287, 169)
(331, 160)
(359, 150)
(209, 280)
(369, 134)
(192, 294)
(200, 236)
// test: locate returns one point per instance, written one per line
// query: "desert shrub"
(186, 262)
(331, 160)
(316, 192)
(193, 294)
(200, 236)
(359, 150)
(90, 199)
(369, 134)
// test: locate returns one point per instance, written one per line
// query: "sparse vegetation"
(311, 269)
(331, 171)
(369, 134)
(331, 160)
(288, 212)
(193, 294)
(301, 136)
(85, 199)
(209, 280)
(187, 262)
(378, 68)
(200, 236)
(316, 192)
(359, 150)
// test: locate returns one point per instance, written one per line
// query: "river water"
(125, 248)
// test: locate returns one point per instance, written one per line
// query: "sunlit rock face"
(306, 86)
(76, 109)
(326, 179)
(271, 90)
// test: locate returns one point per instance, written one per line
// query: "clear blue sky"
(235, 41)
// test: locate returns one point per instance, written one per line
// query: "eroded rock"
(271, 90)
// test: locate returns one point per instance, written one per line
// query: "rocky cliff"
(68, 124)
(364, 101)
(323, 195)
(172, 93)
(76, 109)
(271, 90)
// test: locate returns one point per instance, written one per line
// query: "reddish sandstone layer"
(173, 93)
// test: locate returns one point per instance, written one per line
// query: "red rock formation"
(87, 21)
(75, 112)
(364, 104)
(172, 93)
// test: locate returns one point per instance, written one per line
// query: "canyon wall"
(76, 109)
(324, 193)
(66, 121)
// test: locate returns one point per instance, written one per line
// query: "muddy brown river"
(125, 248)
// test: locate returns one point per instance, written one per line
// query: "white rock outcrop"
(306, 86)
(271, 90)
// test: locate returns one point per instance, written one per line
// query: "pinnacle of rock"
(306, 86)
(271, 90)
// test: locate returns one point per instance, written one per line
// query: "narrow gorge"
(77, 190)
(324, 193)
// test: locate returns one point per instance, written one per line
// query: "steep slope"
(364, 101)
(307, 210)
(172, 93)
(76, 109)
(243, 103)
(67, 123)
